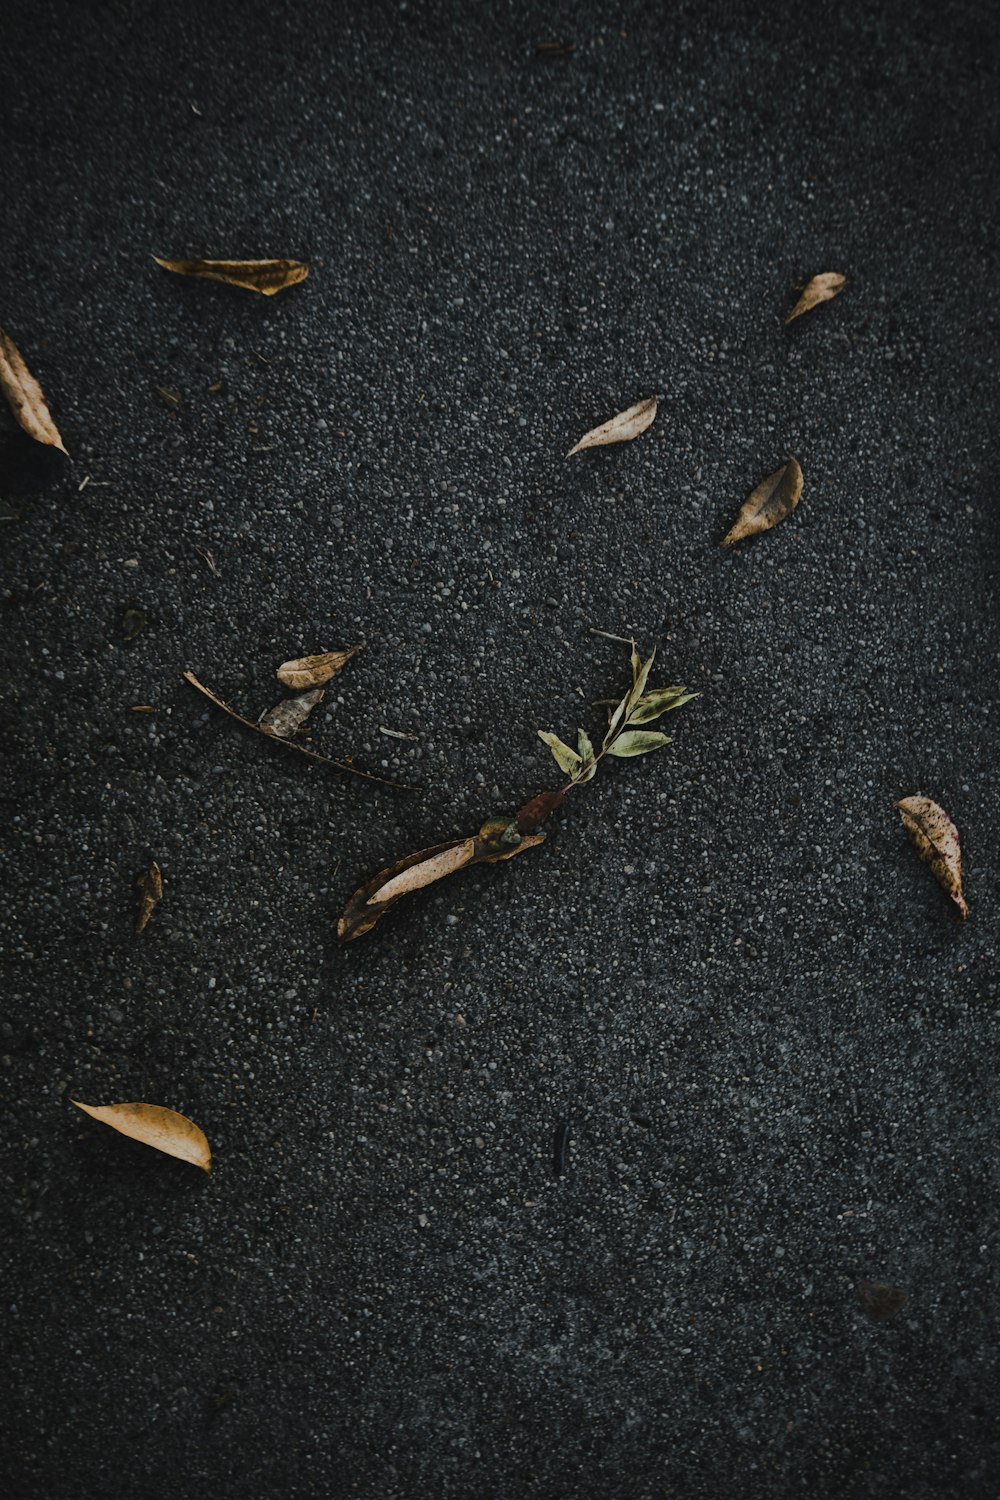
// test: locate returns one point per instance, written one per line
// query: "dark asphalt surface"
(774, 1045)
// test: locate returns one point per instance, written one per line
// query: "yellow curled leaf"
(821, 289)
(264, 276)
(163, 1129)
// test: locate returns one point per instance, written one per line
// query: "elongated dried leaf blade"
(628, 424)
(936, 840)
(264, 276)
(415, 871)
(287, 717)
(163, 1129)
(150, 884)
(773, 499)
(25, 396)
(638, 742)
(314, 671)
(821, 289)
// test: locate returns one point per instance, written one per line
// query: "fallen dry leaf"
(171, 399)
(773, 499)
(287, 718)
(820, 289)
(341, 765)
(621, 429)
(414, 871)
(163, 1129)
(314, 671)
(264, 276)
(150, 884)
(935, 838)
(25, 396)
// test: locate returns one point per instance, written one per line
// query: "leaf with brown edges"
(628, 424)
(936, 840)
(822, 288)
(163, 1129)
(773, 499)
(415, 871)
(25, 396)
(264, 276)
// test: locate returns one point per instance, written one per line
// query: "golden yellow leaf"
(773, 499)
(150, 884)
(621, 429)
(821, 289)
(314, 671)
(935, 838)
(25, 396)
(163, 1129)
(264, 276)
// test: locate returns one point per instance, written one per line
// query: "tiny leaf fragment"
(314, 671)
(132, 621)
(773, 499)
(163, 1129)
(637, 742)
(25, 396)
(821, 289)
(936, 840)
(264, 276)
(628, 424)
(287, 718)
(150, 884)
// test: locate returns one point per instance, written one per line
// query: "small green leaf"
(132, 621)
(660, 702)
(584, 746)
(638, 742)
(566, 759)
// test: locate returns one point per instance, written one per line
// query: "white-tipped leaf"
(628, 424)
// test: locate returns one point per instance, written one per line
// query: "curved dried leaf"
(935, 838)
(314, 671)
(25, 396)
(773, 499)
(415, 871)
(821, 289)
(163, 1129)
(566, 759)
(287, 718)
(264, 276)
(150, 884)
(652, 705)
(621, 429)
(638, 742)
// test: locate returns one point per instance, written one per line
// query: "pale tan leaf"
(150, 884)
(264, 276)
(415, 871)
(314, 671)
(773, 499)
(287, 717)
(25, 396)
(935, 838)
(621, 429)
(163, 1129)
(820, 289)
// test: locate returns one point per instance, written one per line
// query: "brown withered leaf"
(935, 838)
(264, 276)
(25, 396)
(372, 900)
(287, 718)
(623, 428)
(554, 49)
(879, 1301)
(163, 1129)
(773, 499)
(150, 884)
(314, 671)
(821, 289)
(341, 765)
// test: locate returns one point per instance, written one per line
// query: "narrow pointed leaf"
(638, 742)
(150, 884)
(287, 718)
(415, 871)
(773, 499)
(25, 396)
(163, 1129)
(655, 704)
(566, 759)
(936, 840)
(623, 428)
(264, 276)
(821, 289)
(314, 671)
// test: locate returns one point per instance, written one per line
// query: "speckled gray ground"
(775, 1046)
